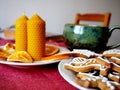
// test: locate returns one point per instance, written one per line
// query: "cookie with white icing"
(90, 81)
(115, 76)
(83, 53)
(112, 53)
(80, 64)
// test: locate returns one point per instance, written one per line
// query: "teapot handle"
(110, 31)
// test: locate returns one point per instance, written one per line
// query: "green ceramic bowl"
(87, 37)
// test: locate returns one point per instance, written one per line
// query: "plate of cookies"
(53, 54)
(93, 72)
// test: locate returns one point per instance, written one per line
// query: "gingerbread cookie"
(91, 81)
(80, 64)
(112, 53)
(115, 76)
(83, 53)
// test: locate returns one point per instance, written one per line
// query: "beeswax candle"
(21, 33)
(36, 37)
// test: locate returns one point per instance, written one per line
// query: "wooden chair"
(94, 17)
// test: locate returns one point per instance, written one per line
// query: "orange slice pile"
(51, 50)
(24, 56)
(20, 56)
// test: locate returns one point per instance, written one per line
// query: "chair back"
(94, 17)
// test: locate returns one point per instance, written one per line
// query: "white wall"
(57, 13)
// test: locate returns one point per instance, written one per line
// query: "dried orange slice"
(4, 54)
(51, 50)
(59, 56)
(9, 47)
(20, 56)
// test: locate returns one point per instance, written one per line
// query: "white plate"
(36, 63)
(68, 75)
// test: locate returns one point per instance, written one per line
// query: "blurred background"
(57, 13)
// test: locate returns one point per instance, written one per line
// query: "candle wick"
(23, 13)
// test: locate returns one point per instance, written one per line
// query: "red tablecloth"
(44, 77)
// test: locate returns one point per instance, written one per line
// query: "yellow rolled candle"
(21, 33)
(36, 37)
